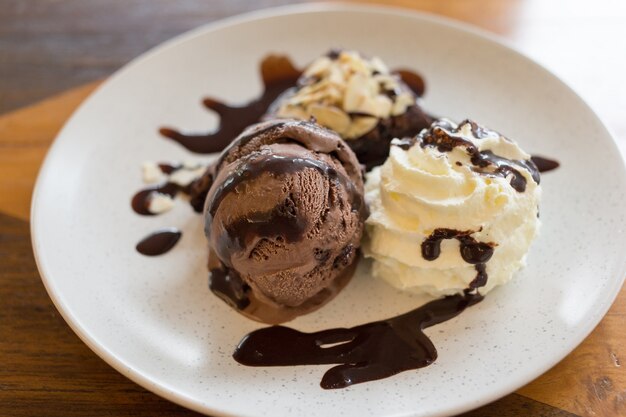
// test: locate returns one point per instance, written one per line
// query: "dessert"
(453, 208)
(359, 98)
(284, 216)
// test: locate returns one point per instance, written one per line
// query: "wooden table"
(48, 47)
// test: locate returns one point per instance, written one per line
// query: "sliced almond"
(331, 117)
(379, 106)
(373, 87)
(292, 112)
(184, 177)
(356, 92)
(401, 103)
(360, 126)
(389, 82)
(318, 67)
(336, 75)
(352, 62)
(379, 66)
(160, 203)
(383, 106)
(151, 172)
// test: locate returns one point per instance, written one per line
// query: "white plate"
(155, 321)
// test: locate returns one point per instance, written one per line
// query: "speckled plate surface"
(155, 321)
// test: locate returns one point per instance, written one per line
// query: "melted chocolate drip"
(364, 353)
(278, 74)
(413, 80)
(472, 251)
(228, 285)
(159, 242)
(544, 164)
(481, 276)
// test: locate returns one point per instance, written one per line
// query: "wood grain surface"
(46, 47)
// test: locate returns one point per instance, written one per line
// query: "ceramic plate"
(154, 319)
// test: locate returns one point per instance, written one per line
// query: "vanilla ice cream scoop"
(454, 208)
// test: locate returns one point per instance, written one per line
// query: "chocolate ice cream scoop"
(359, 98)
(284, 216)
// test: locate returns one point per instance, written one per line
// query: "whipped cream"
(476, 188)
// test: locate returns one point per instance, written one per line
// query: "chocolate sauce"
(141, 200)
(544, 164)
(413, 80)
(504, 168)
(228, 285)
(169, 168)
(472, 251)
(364, 353)
(445, 138)
(159, 242)
(278, 74)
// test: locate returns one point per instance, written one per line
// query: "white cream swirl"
(435, 185)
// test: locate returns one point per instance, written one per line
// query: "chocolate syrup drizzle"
(445, 138)
(544, 164)
(159, 242)
(364, 353)
(472, 251)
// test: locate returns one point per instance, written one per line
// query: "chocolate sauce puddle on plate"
(159, 242)
(363, 353)
(544, 164)
(278, 74)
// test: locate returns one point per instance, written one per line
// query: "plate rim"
(180, 397)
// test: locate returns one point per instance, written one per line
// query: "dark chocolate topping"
(413, 80)
(159, 242)
(544, 164)
(445, 138)
(364, 353)
(228, 285)
(472, 251)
